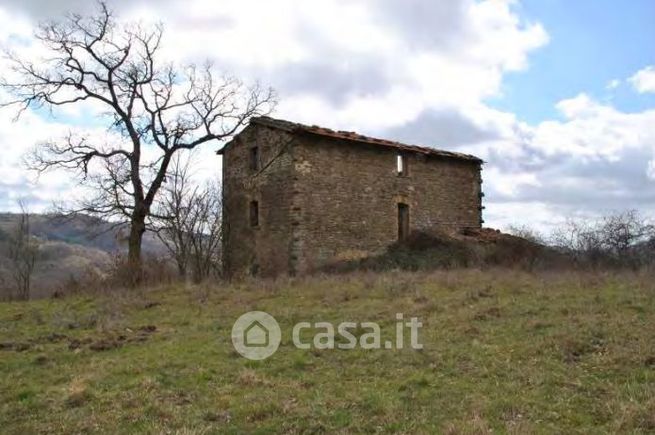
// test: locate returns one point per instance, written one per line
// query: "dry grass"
(504, 351)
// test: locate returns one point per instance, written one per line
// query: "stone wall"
(323, 199)
(347, 195)
(264, 249)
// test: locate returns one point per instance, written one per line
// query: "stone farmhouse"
(297, 198)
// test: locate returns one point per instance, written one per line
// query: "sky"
(558, 97)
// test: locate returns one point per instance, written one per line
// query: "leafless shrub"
(5, 288)
(22, 252)
(205, 231)
(622, 232)
(189, 222)
(527, 233)
(156, 271)
(89, 281)
(620, 239)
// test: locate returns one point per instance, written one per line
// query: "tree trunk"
(181, 268)
(137, 229)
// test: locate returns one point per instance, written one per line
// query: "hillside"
(504, 351)
(70, 249)
(80, 230)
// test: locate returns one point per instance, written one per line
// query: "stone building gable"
(324, 196)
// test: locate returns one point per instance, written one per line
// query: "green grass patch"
(504, 351)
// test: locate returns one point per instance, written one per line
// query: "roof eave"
(295, 128)
(432, 152)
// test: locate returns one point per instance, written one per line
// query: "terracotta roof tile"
(294, 127)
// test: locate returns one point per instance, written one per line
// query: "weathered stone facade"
(320, 196)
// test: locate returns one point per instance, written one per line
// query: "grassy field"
(503, 351)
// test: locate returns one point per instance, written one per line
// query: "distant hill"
(81, 230)
(70, 248)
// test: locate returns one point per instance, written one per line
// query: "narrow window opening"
(401, 165)
(254, 213)
(254, 158)
(403, 221)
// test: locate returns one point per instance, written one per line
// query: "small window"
(254, 214)
(254, 158)
(401, 162)
(403, 221)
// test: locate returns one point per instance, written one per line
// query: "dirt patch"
(483, 293)
(148, 328)
(75, 343)
(78, 394)
(216, 417)
(488, 314)
(575, 348)
(105, 344)
(53, 338)
(41, 360)
(15, 346)
(114, 341)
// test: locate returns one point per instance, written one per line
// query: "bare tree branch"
(148, 104)
(188, 221)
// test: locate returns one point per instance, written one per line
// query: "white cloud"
(595, 160)
(501, 39)
(381, 66)
(651, 169)
(535, 214)
(269, 40)
(17, 139)
(613, 84)
(275, 40)
(510, 184)
(594, 130)
(644, 80)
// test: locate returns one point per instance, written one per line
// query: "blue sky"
(524, 84)
(591, 43)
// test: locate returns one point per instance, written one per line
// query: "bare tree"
(188, 221)
(151, 108)
(579, 239)
(617, 239)
(206, 231)
(620, 232)
(527, 233)
(22, 254)
(172, 211)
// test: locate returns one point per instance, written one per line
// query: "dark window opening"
(254, 213)
(403, 221)
(254, 158)
(401, 165)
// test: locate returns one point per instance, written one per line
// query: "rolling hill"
(70, 249)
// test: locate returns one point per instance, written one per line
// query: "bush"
(527, 233)
(617, 240)
(477, 248)
(155, 271)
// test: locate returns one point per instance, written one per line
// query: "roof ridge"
(293, 127)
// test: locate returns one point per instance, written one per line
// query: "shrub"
(618, 240)
(155, 270)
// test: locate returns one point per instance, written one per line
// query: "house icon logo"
(256, 335)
